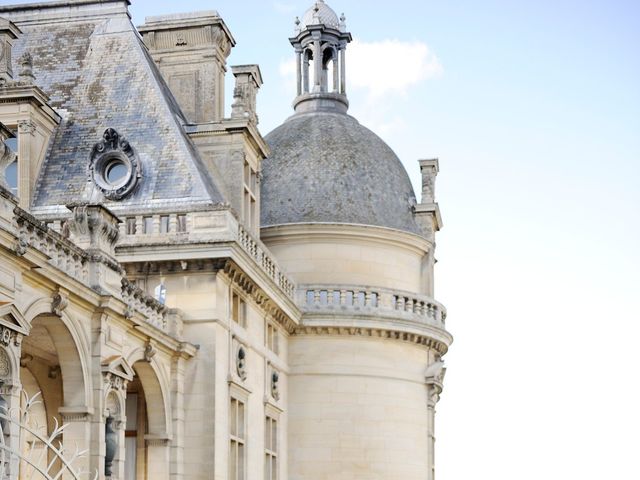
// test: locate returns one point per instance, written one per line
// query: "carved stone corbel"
(434, 378)
(149, 352)
(59, 303)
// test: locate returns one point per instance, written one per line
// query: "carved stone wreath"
(114, 167)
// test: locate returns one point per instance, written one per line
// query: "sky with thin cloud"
(533, 109)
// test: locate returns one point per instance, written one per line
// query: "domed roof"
(320, 14)
(327, 168)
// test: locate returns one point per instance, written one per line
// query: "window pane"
(164, 224)
(233, 460)
(11, 176)
(233, 418)
(241, 462)
(274, 436)
(240, 420)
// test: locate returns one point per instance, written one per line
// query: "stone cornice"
(278, 234)
(381, 331)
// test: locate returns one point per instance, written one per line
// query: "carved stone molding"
(115, 382)
(26, 127)
(242, 280)
(22, 245)
(414, 338)
(8, 336)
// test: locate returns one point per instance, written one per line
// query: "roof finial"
(343, 25)
(297, 23)
(26, 68)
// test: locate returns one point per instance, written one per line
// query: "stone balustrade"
(197, 226)
(155, 313)
(371, 300)
(62, 253)
(263, 259)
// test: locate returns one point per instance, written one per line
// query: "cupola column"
(336, 73)
(317, 66)
(299, 70)
(343, 73)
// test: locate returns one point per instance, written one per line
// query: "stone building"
(190, 299)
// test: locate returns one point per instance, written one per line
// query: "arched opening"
(308, 69)
(135, 432)
(52, 364)
(146, 429)
(329, 70)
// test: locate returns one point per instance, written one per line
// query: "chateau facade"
(190, 299)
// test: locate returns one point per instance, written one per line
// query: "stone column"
(299, 71)
(305, 74)
(336, 72)
(343, 72)
(317, 65)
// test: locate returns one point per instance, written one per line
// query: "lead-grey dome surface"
(324, 15)
(327, 168)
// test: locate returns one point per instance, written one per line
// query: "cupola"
(320, 44)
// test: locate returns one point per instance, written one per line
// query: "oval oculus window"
(114, 167)
(116, 171)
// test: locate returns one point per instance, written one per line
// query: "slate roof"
(325, 167)
(99, 74)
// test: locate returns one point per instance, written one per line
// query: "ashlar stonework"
(190, 299)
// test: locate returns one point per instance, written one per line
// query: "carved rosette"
(114, 167)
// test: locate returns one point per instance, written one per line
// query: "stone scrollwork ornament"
(149, 352)
(58, 303)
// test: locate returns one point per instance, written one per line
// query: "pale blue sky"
(535, 116)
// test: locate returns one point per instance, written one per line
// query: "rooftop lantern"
(320, 44)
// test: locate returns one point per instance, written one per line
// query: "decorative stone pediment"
(117, 372)
(11, 320)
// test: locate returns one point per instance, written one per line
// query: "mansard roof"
(92, 63)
